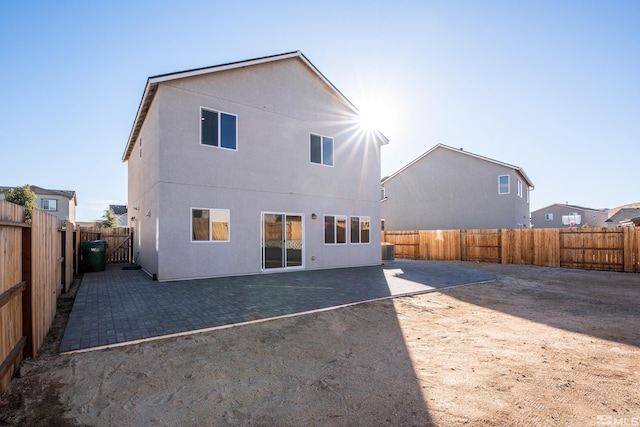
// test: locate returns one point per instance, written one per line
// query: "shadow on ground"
(601, 304)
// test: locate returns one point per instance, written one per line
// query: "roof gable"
(461, 151)
(153, 82)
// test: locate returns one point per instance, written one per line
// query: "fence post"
(631, 249)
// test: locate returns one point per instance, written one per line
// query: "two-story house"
(59, 203)
(251, 167)
(564, 215)
(448, 188)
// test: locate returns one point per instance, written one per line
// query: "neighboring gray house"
(251, 167)
(60, 203)
(448, 188)
(624, 217)
(561, 215)
(121, 212)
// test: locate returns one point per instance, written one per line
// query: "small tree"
(23, 196)
(109, 220)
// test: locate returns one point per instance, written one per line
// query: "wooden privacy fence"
(36, 265)
(615, 249)
(119, 242)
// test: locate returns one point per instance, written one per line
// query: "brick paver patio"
(118, 306)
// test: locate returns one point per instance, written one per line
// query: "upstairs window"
(519, 188)
(321, 148)
(49, 205)
(209, 225)
(503, 184)
(218, 129)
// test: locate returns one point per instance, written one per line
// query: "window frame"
(210, 228)
(48, 208)
(508, 184)
(322, 149)
(361, 220)
(548, 216)
(219, 114)
(519, 188)
(335, 229)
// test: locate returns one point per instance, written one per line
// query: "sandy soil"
(538, 347)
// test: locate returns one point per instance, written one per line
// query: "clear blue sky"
(550, 86)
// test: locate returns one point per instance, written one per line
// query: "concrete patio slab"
(119, 306)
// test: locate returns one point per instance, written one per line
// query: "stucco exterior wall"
(143, 192)
(277, 106)
(449, 190)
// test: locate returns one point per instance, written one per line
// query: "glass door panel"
(272, 241)
(293, 240)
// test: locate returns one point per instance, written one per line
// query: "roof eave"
(516, 168)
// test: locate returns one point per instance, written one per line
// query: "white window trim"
(548, 217)
(335, 229)
(219, 146)
(210, 228)
(333, 150)
(519, 188)
(508, 184)
(49, 209)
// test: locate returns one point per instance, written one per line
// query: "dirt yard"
(537, 347)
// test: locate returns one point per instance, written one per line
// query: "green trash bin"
(95, 255)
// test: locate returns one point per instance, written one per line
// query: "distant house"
(121, 212)
(251, 167)
(449, 188)
(625, 217)
(561, 215)
(60, 203)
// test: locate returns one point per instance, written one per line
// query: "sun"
(372, 116)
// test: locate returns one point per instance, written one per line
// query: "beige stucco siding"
(450, 190)
(143, 191)
(273, 136)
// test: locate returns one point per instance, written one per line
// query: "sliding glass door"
(282, 240)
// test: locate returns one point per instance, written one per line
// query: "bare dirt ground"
(537, 347)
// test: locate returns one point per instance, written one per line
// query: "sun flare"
(372, 116)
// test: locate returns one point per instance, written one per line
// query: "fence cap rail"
(14, 224)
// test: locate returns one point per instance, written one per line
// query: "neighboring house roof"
(71, 195)
(566, 205)
(625, 215)
(153, 82)
(613, 211)
(119, 209)
(461, 151)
